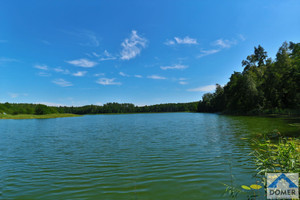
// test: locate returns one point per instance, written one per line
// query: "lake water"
(165, 156)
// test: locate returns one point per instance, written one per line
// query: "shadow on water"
(256, 125)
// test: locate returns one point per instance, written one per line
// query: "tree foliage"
(40, 109)
(263, 85)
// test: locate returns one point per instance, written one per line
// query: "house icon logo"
(282, 186)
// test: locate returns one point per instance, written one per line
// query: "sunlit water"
(167, 156)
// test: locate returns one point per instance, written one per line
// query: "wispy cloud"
(3, 41)
(156, 77)
(15, 95)
(44, 74)
(99, 74)
(183, 82)
(95, 54)
(60, 70)
(105, 56)
(178, 40)
(123, 74)
(208, 52)
(4, 60)
(107, 81)
(80, 73)
(132, 46)
(242, 37)
(92, 39)
(86, 37)
(178, 66)
(224, 43)
(186, 40)
(82, 63)
(138, 76)
(42, 67)
(207, 88)
(219, 45)
(61, 82)
(169, 42)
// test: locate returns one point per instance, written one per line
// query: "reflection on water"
(136, 156)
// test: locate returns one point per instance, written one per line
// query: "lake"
(165, 156)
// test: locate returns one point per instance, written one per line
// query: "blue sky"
(75, 52)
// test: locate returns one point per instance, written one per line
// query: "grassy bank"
(30, 116)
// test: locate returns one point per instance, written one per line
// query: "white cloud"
(183, 82)
(3, 59)
(185, 40)
(208, 52)
(107, 56)
(207, 88)
(42, 67)
(169, 42)
(107, 81)
(224, 43)
(95, 54)
(82, 63)
(123, 74)
(138, 76)
(156, 77)
(60, 70)
(44, 74)
(99, 74)
(61, 82)
(178, 66)
(132, 46)
(221, 44)
(79, 73)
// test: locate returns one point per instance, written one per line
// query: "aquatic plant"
(272, 154)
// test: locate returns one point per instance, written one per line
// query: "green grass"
(31, 116)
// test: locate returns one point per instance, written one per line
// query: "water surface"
(166, 156)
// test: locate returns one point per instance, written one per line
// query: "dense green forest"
(264, 85)
(40, 109)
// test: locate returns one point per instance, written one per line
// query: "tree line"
(40, 109)
(264, 85)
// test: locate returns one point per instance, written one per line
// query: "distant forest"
(40, 109)
(264, 86)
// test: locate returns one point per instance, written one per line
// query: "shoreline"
(32, 116)
(62, 115)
